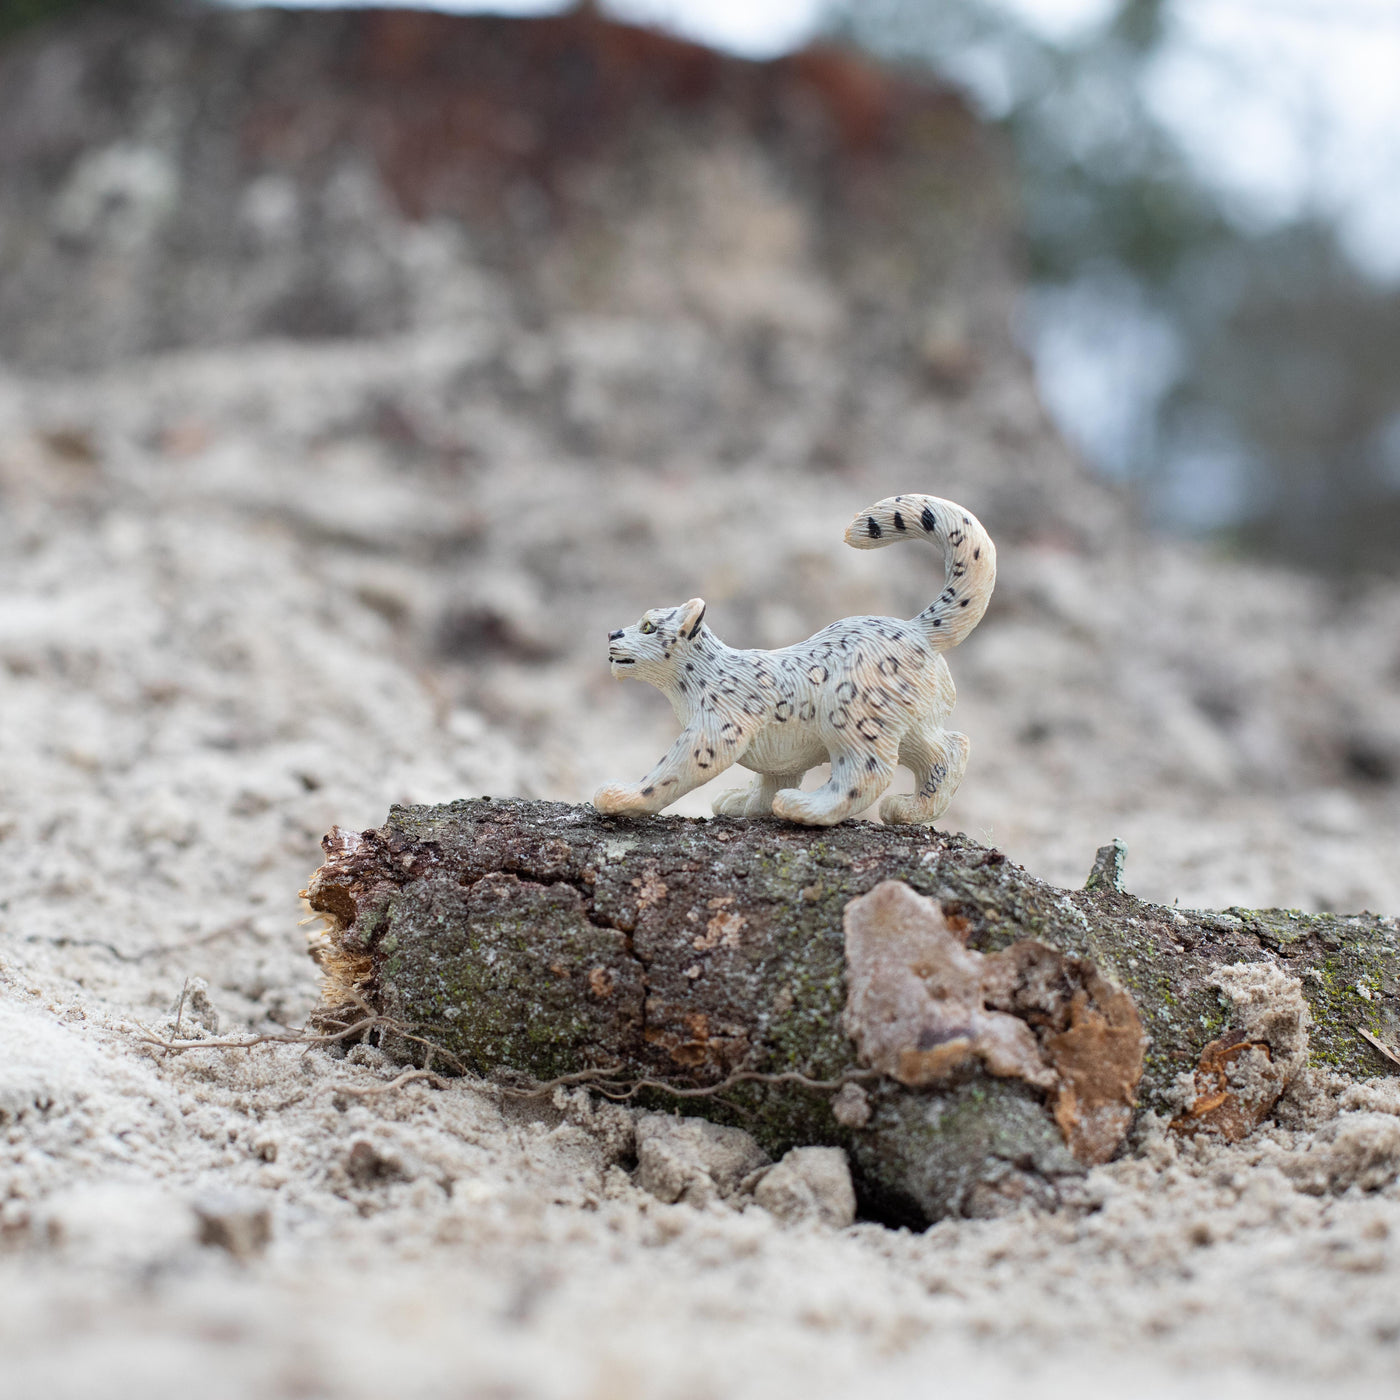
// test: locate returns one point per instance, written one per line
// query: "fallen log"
(972, 1036)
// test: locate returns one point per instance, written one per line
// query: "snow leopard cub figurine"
(865, 694)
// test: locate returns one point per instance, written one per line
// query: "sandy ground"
(244, 596)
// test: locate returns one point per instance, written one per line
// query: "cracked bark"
(547, 940)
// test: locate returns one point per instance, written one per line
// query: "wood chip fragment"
(923, 1008)
(1377, 1044)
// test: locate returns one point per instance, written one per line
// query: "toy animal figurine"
(866, 693)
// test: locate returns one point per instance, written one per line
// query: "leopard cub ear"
(692, 615)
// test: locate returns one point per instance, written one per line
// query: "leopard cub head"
(652, 648)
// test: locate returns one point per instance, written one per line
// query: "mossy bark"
(547, 940)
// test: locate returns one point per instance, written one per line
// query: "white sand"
(219, 590)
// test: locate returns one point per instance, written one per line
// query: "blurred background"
(361, 368)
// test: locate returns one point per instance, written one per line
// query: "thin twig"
(302, 1037)
(1376, 1043)
(180, 1009)
(744, 1077)
(535, 1089)
(371, 1090)
(430, 1047)
(612, 1089)
(266, 1038)
(603, 1081)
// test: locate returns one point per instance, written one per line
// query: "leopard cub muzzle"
(616, 655)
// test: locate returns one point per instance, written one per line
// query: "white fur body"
(865, 694)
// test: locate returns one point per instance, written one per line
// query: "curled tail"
(970, 558)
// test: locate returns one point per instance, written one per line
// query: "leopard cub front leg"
(694, 758)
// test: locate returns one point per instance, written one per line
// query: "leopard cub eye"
(647, 627)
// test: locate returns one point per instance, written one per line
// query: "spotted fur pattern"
(865, 694)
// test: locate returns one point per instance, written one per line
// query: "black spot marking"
(872, 763)
(807, 710)
(817, 674)
(1364, 760)
(690, 636)
(868, 728)
(846, 690)
(898, 521)
(938, 622)
(647, 791)
(854, 793)
(783, 712)
(956, 537)
(689, 665)
(977, 553)
(889, 665)
(964, 602)
(872, 527)
(840, 717)
(928, 520)
(730, 731)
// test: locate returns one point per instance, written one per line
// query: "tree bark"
(548, 941)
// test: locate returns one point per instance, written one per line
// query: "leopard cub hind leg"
(756, 800)
(938, 760)
(858, 777)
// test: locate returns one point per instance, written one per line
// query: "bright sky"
(1293, 106)
(753, 28)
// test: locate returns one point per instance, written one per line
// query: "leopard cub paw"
(620, 799)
